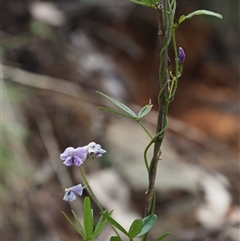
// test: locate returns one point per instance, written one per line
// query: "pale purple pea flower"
(181, 55)
(73, 156)
(72, 192)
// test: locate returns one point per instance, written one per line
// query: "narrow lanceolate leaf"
(162, 237)
(115, 238)
(119, 104)
(147, 3)
(199, 12)
(116, 112)
(135, 228)
(78, 222)
(115, 223)
(181, 19)
(204, 12)
(139, 2)
(87, 217)
(144, 111)
(73, 225)
(99, 226)
(148, 223)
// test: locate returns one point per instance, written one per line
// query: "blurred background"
(55, 55)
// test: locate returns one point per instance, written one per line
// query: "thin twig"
(44, 82)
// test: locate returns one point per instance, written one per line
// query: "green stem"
(144, 128)
(149, 145)
(90, 191)
(175, 80)
(94, 198)
(163, 101)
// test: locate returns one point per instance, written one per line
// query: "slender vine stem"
(145, 129)
(162, 101)
(94, 198)
(90, 191)
(165, 22)
(150, 144)
(175, 79)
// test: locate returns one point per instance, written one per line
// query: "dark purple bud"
(181, 55)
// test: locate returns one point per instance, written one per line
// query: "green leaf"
(119, 104)
(163, 236)
(99, 226)
(199, 12)
(181, 19)
(204, 12)
(144, 111)
(148, 223)
(147, 3)
(135, 228)
(115, 223)
(87, 217)
(73, 225)
(77, 221)
(115, 112)
(139, 2)
(115, 238)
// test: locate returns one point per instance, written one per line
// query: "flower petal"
(99, 154)
(69, 196)
(93, 148)
(77, 161)
(69, 161)
(78, 189)
(68, 152)
(81, 152)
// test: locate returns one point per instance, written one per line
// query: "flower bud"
(181, 55)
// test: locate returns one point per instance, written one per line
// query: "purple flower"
(73, 156)
(181, 55)
(95, 149)
(70, 193)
